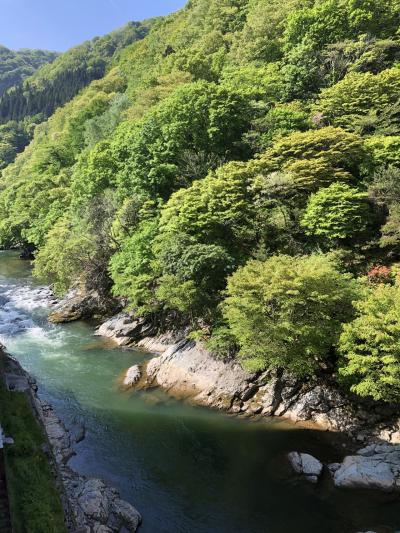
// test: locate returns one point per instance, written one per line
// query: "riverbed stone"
(93, 500)
(126, 514)
(306, 465)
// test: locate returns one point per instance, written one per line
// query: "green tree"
(132, 269)
(217, 209)
(200, 117)
(370, 346)
(287, 311)
(385, 150)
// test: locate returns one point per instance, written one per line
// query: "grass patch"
(34, 499)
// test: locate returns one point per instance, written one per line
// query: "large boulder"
(306, 466)
(373, 467)
(123, 329)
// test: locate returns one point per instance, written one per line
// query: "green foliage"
(316, 158)
(385, 150)
(216, 209)
(278, 121)
(316, 25)
(370, 346)
(337, 212)
(77, 250)
(197, 118)
(132, 271)
(357, 96)
(36, 187)
(287, 311)
(193, 274)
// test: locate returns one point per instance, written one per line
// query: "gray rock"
(360, 472)
(306, 465)
(188, 370)
(132, 376)
(127, 514)
(123, 329)
(93, 500)
(80, 304)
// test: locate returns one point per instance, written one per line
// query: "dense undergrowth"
(239, 169)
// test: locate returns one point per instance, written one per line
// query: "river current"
(185, 468)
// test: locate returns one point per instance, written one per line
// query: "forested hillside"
(26, 104)
(238, 171)
(15, 66)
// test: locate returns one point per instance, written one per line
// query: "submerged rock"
(306, 465)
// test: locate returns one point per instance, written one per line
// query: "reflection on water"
(186, 469)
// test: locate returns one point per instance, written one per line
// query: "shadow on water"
(187, 469)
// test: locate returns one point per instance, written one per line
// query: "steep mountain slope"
(236, 171)
(55, 84)
(15, 66)
(26, 104)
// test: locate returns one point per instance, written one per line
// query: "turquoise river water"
(185, 468)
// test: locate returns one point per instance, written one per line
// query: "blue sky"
(60, 24)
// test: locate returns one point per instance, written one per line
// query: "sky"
(61, 24)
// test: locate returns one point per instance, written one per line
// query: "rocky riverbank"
(186, 370)
(90, 505)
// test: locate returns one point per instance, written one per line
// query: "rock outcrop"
(126, 330)
(79, 304)
(90, 505)
(187, 369)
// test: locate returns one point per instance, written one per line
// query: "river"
(186, 469)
